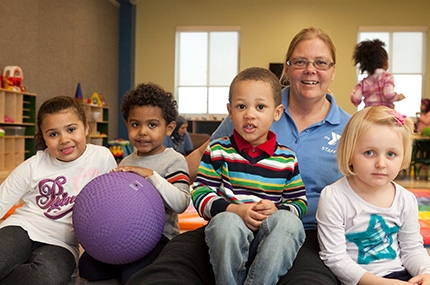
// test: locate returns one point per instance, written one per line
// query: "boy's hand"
(144, 172)
(265, 207)
(251, 217)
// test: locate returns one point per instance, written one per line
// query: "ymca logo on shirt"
(331, 142)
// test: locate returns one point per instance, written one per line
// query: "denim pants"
(23, 261)
(230, 242)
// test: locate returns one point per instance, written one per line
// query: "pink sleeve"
(388, 89)
(356, 95)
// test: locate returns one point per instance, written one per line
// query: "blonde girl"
(367, 224)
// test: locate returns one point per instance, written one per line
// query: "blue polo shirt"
(315, 148)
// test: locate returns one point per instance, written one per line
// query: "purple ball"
(118, 217)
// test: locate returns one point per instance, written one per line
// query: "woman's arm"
(193, 160)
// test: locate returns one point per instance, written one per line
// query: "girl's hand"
(371, 279)
(422, 279)
(250, 217)
(144, 172)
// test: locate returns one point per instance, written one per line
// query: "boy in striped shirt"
(250, 188)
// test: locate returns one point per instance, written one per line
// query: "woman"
(180, 139)
(310, 125)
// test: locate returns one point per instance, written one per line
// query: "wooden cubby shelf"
(17, 117)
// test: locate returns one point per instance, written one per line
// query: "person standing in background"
(377, 89)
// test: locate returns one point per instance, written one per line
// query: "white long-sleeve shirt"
(48, 188)
(357, 237)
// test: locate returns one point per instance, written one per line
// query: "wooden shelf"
(99, 125)
(17, 109)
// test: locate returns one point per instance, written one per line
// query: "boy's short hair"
(362, 121)
(259, 74)
(151, 94)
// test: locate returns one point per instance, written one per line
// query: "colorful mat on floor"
(423, 197)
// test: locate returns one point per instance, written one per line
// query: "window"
(406, 52)
(207, 60)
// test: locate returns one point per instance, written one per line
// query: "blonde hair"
(303, 35)
(363, 120)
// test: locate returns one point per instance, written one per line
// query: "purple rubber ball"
(118, 217)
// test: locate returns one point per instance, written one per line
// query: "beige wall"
(59, 43)
(267, 27)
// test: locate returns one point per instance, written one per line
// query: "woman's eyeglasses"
(320, 64)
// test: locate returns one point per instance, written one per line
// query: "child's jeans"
(23, 261)
(230, 242)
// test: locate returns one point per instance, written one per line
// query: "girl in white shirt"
(37, 242)
(367, 224)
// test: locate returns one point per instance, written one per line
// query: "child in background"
(423, 121)
(37, 244)
(250, 188)
(180, 139)
(367, 224)
(149, 113)
(378, 87)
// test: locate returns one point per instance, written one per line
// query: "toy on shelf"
(8, 119)
(120, 148)
(78, 93)
(102, 98)
(12, 78)
(95, 99)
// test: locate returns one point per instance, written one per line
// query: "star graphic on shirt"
(376, 242)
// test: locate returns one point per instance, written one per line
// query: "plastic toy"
(78, 93)
(12, 78)
(2, 132)
(95, 99)
(103, 100)
(8, 119)
(118, 217)
(120, 148)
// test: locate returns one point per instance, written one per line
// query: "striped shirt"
(226, 176)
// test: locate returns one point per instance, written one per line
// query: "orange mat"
(11, 211)
(190, 220)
